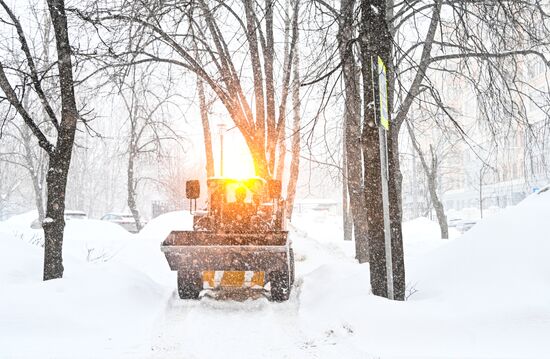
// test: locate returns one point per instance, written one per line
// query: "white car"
(69, 215)
(465, 225)
(454, 222)
(126, 220)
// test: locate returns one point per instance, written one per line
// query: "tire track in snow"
(211, 328)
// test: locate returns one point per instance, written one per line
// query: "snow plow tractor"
(239, 241)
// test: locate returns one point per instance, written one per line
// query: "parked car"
(69, 215)
(454, 222)
(465, 225)
(126, 220)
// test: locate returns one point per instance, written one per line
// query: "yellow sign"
(383, 94)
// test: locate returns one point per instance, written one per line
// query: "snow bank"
(88, 239)
(23, 219)
(94, 310)
(160, 227)
(422, 235)
(94, 240)
(107, 302)
(19, 226)
(502, 260)
(483, 295)
(144, 251)
(420, 229)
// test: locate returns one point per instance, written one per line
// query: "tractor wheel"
(291, 259)
(280, 285)
(189, 284)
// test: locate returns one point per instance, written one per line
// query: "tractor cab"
(239, 205)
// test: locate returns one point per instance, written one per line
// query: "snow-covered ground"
(482, 295)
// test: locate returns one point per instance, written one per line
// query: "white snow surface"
(482, 295)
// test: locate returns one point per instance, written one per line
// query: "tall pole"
(381, 82)
(386, 209)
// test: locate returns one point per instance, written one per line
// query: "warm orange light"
(237, 163)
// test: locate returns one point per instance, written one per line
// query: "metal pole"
(381, 101)
(386, 208)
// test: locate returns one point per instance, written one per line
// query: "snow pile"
(422, 235)
(420, 229)
(21, 220)
(483, 295)
(94, 240)
(95, 309)
(144, 250)
(19, 226)
(115, 286)
(502, 260)
(160, 227)
(87, 239)
(329, 245)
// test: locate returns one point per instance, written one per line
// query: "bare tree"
(432, 175)
(261, 123)
(466, 42)
(174, 169)
(145, 100)
(26, 155)
(59, 152)
(9, 187)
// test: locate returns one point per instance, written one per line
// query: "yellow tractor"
(240, 240)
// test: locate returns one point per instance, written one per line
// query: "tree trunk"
(377, 41)
(431, 176)
(438, 206)
(131, 184)
(347, 221)
(273, 139)
(257, 150)
(396, 213)
(60, 156)
(481, 174)
(54, 223)
(373, 196)
(358, 202)
(352, 129)
(281, 155)
(206, 129)
(131, 187)
(295, 147)
(394, 172)
(373, 192)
